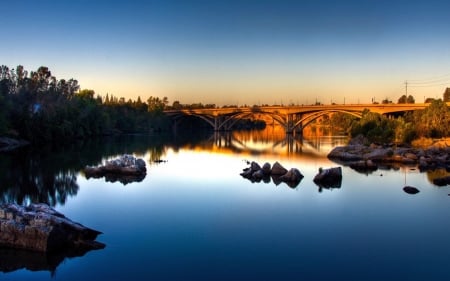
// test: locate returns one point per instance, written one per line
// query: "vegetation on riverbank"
(38, 107)
(431, 122)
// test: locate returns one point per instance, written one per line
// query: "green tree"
(447, 95)
(433, 121)
(375, 127)
(410, 99)
(402, 99)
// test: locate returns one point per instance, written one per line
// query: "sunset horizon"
(237, 52)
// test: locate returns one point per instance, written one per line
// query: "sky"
(236, 52)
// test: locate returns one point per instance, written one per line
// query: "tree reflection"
(32, 177)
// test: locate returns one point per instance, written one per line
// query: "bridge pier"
(293, 124)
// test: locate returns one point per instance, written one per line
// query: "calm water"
(194, 218)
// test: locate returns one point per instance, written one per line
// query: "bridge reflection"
(273, 141)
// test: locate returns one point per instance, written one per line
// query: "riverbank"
(435, 155)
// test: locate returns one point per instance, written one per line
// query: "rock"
(247, 173)
(255, 166)
(258, 175)
(410, 190)
(411, 156)
(125, 166)
(266, 168)
(38, 227)
(293, 175)
(277, 169)
(442, 181)
(364, 166)
(331, 177)
(358, 140)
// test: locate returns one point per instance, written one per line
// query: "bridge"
(292, 118)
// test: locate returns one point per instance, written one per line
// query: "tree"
(410, 99)
(447, 95)
(433, 121)
(386, 101)
(402, 99)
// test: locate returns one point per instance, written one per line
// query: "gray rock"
(40, 228)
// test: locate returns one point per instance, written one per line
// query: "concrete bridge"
(292, 118)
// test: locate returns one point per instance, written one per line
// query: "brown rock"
(278, 169)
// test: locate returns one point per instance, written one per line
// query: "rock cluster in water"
(277, 172)
(125, 169)
(326, 178)
(38, 227)
(368, 158)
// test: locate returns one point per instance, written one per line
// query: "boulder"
(364, 166)
(258, 175)
(38, 227)
(442, 181)
(255, 166)
(266, 168)
(410, 190)
(293, 175)
(278, 169)
(124, 166)
(331, 177)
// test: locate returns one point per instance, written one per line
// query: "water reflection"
(30, 176)
(272, 141)
(16, 259)
(49, 174)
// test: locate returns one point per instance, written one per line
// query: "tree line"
(38, 107)
(431, 122)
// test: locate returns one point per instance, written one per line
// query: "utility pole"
(406, 88)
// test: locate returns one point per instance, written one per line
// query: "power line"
(431, 79)
(433, 85)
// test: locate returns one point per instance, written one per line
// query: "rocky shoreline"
(369, 157)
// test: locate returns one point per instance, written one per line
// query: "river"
(193, 217)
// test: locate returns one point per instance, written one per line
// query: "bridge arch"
(308, 119)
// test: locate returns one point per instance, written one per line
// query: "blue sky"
(236, 52)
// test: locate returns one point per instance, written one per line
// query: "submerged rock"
(40, 228)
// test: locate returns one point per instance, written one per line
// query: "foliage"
(38, 107)
(375, 127)
(433, 121)
(447, 95)
(406, 99)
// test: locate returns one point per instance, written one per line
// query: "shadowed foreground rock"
(38, 227)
